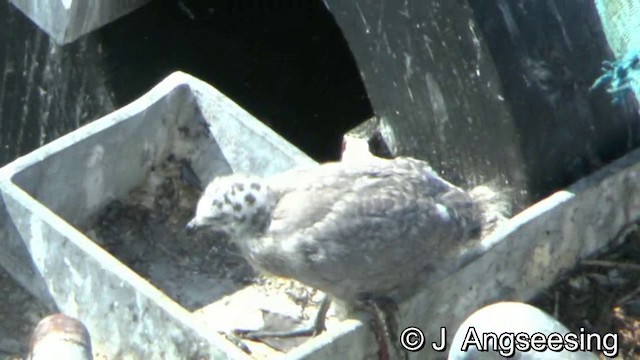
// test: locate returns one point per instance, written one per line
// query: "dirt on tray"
(602, 295)
(146, 231)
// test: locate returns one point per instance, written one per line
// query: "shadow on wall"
(289, 66)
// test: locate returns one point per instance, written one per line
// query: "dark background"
(288, 63)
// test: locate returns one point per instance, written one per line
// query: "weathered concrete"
(65, 182)
(67, 20)
(59, 186)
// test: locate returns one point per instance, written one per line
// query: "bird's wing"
(371, 227)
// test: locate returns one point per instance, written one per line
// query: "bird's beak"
(192, 227)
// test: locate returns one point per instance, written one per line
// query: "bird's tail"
(495, 206)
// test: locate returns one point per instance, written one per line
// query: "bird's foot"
(316, 328)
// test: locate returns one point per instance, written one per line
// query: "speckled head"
(237, 205)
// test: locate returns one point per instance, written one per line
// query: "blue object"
(620, 77)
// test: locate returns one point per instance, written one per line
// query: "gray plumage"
(351, 229)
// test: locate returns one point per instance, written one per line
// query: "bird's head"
(237, 205)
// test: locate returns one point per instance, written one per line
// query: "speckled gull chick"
(351, 229)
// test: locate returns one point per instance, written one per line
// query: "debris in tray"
(602, 295)
(146, 231)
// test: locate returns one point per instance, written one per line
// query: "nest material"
(602, 296)
(146, 231)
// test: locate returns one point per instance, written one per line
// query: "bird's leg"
(314, 329)
(381, 338)
(383, 310)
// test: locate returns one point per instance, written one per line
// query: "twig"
(611, 264)
(623, 300)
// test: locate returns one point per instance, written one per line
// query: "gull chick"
(354, 230)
